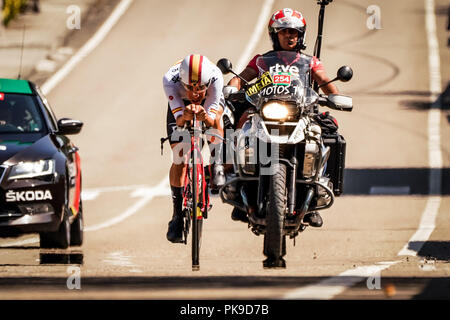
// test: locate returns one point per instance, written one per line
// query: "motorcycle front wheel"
(274, 240)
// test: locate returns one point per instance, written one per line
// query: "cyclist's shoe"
(175, 231)
(239, 215)
(218, 177)
(313, 219)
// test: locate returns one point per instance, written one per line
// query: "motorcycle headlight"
(275, 111)
(26, 170)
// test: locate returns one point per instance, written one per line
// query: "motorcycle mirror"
(225, 65)
(345, 73)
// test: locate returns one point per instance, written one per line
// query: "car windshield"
(20, 113)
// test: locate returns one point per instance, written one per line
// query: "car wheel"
(59, 239)
(76, 228)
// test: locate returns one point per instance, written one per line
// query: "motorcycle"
(284, 165)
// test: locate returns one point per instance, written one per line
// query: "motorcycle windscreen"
(284, 75)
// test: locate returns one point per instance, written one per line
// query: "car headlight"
(275, 111)
(26, 170)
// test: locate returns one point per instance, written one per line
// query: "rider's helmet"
(196, 72)
(287, 19)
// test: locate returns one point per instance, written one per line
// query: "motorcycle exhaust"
(308, 199)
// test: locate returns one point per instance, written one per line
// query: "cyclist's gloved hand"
(189, 111)
(201, 113)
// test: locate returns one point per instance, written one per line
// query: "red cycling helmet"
(287, 19)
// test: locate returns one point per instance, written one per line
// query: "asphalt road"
(117, 92)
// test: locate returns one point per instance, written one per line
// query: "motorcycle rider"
(192, 86)
(287, 29)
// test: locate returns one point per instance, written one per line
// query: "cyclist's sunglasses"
(196, 87)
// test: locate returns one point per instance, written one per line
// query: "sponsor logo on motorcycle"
(278, 68)
(264, 81)
(36, 195)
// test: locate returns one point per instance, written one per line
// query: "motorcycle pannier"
(336, 161)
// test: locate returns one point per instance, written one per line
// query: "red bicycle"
(196, 202)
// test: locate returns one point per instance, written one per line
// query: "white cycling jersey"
(176, 93)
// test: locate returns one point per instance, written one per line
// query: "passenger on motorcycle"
(287, 29)
(192, 86)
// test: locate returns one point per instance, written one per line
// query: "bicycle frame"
(194, 187)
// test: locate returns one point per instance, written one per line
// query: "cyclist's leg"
(176, 177)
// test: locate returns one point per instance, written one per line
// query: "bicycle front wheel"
(197, 218)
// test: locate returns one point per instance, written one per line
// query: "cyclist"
(192, 86)
(287, 29)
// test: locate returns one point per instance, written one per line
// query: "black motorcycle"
(285, 165)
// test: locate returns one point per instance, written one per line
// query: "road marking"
(256, 35)
(427, 222)
(98, 37)
(87, 195)
(333, 286)
(426, 227)
(147, 194)
(20, 243)
(390, 190)
(144, 192)
(329, 288)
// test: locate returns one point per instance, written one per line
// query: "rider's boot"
(217, 169)
(313, 219)
(218, 176)
(239, 215)
(175, 231)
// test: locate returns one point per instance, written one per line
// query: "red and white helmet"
(196, 72)
(287, 18)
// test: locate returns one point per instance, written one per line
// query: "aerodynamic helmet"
(287, 19)
(196, 72)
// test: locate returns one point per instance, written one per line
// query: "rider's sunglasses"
(195, 88)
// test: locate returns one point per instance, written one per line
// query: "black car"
(40, 169)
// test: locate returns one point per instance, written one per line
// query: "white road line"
(333, 286)
(116, 188)
(20, 243)
(88, 47)
(147, 195)
(329, 288)
(427, 222)
(87, 195)
(256, 35)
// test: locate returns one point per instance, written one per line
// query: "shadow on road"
(432, 250)
(435, 288)
(393, 181)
